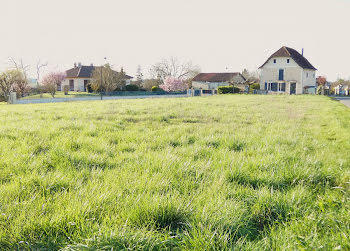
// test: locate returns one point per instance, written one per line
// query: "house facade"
(208, 83)
(289, 72)
(80, 76)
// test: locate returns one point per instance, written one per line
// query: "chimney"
(91, 64)
(75, 65)
(302, 51)
(79, 64)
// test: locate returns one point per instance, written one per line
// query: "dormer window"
(288, 61)
(274, 61)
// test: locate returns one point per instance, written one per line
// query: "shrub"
(227, 89)
(156, 89)
(255, 86)
(66, 89)
(89, 88)
(131, 88)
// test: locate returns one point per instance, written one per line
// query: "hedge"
(227, 89)
(131, 88)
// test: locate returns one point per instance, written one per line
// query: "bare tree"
(173, 67)
(139, 76)
(105, 79)
(251, 76)
(39, 66)
(20, 66)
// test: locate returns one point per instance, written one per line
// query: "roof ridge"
(286, 48)
(79, 71)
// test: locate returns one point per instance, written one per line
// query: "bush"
(156, 89)
(227, 89)
(131, 88)
(66, 89)
(89, 88)
(255, 86)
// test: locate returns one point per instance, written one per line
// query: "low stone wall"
(59, 100)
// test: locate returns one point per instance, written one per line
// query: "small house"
(80, 76)
(208, 83)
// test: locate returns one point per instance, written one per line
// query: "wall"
(208, 85)
(215, 85)
(292, 73)
(311, 79)
(78, 83)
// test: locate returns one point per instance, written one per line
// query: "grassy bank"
(245, 172)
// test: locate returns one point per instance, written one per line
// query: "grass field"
(206, 173)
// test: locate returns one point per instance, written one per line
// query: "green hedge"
(227, 89)
(131, 88)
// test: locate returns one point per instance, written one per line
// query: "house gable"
(286, 52)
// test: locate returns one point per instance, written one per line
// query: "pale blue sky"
(213, 34)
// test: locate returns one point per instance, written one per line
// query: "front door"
(86, 82)
(293, 88)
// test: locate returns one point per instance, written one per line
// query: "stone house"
(289, 72)
(208, 83)
(80, 76)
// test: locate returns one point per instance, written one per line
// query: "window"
(265, 85)
(314, 74)
(288, 61)
(281, 74)
(59, 87)
(274, 87)
(71, 84)
(307, 74)
(274, 61)
(282, 87)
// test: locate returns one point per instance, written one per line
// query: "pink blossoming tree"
(172, 84)
(52, 80)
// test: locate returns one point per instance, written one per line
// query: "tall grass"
(206, 173)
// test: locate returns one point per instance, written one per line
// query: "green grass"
(207, 173)
(60, 94)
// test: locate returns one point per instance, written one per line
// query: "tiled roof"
(84, 72)
(216, 77)
(296, 56)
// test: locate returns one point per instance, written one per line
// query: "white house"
(341, 89)
(80, 76)
(287, 71)
(209, 82)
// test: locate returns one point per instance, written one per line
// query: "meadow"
(243, 172)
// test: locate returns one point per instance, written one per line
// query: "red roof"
(216, 77)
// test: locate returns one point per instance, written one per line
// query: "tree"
(39, 66)
(8, 80)
(21, 87)
(175, 68)
(139, 76)
(251, 76)
(172, 84)
(321, 80)
(105, 79)
(149, 83)
(321, 83)
(52, 80)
